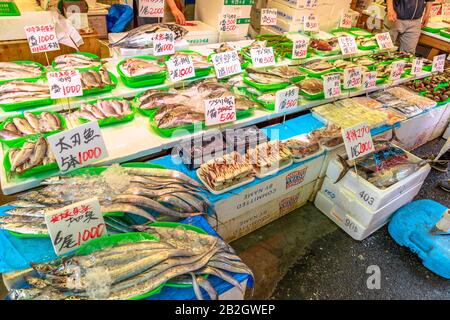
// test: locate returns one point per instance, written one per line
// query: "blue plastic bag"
(119, 16)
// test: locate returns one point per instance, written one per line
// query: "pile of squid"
(132, 270)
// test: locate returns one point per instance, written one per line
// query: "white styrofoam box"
(357, 207)
(263, 214)
(330, 155)
(208, 11)
(16, 24)
(270, 30)
(442, 123)
(283, 26)
(268, 190)
(378, 198)
(201, 34)
(240, 33)
(287, 13)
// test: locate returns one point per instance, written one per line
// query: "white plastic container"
(288, 14)
(348, 220)
(377, 198)
(201, 34)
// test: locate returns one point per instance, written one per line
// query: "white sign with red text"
(180, 68)
(227, 22)
(439, 63)
(300, 47)
(163, 43)
(310, 23)
(42, 38)
(358, 141)
(352, 77)
(226, 64)
(220, 110)
(370, 80)
(348, 45)
(397, 70)
(384, 41)
(262, 57)
(346, 20)
(332, 85)
(286, 99)
(269, 17)
(151, 8)
(417, 66)
(71, 226)
(64, 84)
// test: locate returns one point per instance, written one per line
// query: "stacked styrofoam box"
(209, 11)
(360, 208)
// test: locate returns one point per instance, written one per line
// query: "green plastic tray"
(21, 139)
(444, 33)
(8, 9)
(343, 30)
(317, 96)
(27, 104)
(326, 53)
(317, 74)
(265, 87)
(103, 89)
(86, 54)
(141, 80)
(367, 34)
(432, 30)
(145, 112)
(289, 56)
(42, 76)
(266, 105)
(111, 120)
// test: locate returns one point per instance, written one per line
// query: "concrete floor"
(304, 255)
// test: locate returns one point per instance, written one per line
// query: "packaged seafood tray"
(97, 80)
(423, 103)
(142, 71)
(24, 94)
(325, 47)
(312, 88)
(243, 139)
(349, 219)
(77, 60)
(328, 137)
(407, 109)
(445, 33)
(16, 129)
(368, 102)
(20, 70)
(303, 147)
(317, 68)
(269, 158)
(106, 112)
(409, 173)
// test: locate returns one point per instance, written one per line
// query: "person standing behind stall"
(173, 12)
(408, 18)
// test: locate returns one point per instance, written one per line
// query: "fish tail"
(345, 169)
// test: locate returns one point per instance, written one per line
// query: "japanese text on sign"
(384, 40)
(438, 63)
(352, 77)
(226, 64)
(417, 66)
(370, 80)
(227, 22)
(346, 20)
(332, 85)
(300, 47)
(348, 45)
(268, 17)
(163, 43)
(71, 226)
(42, 38)
(286, 99)
(64, 84)
(397, 70)
(358, 141)
(262, 57)
(180, 68)
(220, 110)
(78, 147)
(311, 4)
(310, 23)
(436, 10)
(151, 8)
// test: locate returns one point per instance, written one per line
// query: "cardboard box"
(98, 22)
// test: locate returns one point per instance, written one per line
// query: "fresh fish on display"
(74, 60)
(14, 70)
(363, 61)
(179, 116)
(317, 65)
(264, 77)
(302, 146)
(103, 109)
(30, 124)
(324, 45)
(18, 91)
(152, 99)
(269, 155)
(30, 155)
(330, 136)
(199, 61)
(254, 45)
(91, 79)
(133, 67)
(142, 37)
(311, 85)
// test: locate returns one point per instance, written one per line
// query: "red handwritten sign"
(64, 84)
(332, 85)
(151, 8)
(220, 110)
(384, 41)
(42, 38)
(358, 141)
(227, 22)
(269, 17)
(163, 43)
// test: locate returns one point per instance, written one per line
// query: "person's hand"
(392, 15)
(425, 20)
(179, 16)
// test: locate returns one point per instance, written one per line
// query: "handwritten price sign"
(417, 66)
(78, 147)
(310, 23)
(286, 99)
(436, 10)
(269, 17)
(332, 85)
(226, 64)
(163, 43)
(346, 20)
(358, 141)
(227, 22)
(352, 78)
(384, 41)
(71, 226)
(42, 38)
(151, 8)
(397, 70)
(180, 68)
(370, 80)
(348, 45)
(311, 4)
(262, 57)
(300, 47)
(64, 84)
(220, 110)
(438, 63)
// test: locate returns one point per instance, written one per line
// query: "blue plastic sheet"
(119, 16)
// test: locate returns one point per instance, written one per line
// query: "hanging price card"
(163, 43)
(151, 8)
(438, 63)
(358, 141)
(397, 70)
(384, 40)
(268, 17)
(227, 22)
(346, 20)
(352, 77)
(417, 66)
(220, 110)
(78, 147)
(180, 68)
(226, 64)
(370, 80)
(42, 38)
(64, 84)
(310, 23)
(71, 226)
(332, 85)
(262, 57)
(436, 10)
(300, 47)
(311, 4)
(286, 99)
(348, 45)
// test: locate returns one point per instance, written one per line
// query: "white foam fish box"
(358, 207)
(13, 26)
(264, 214)
(288, 14)
(357, 220)
(373, 197)
(201, 34)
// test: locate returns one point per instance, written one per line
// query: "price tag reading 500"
(262, 57)
(227, 22)
(220, 110)
(286, 99)
(352, 77)
(180, 68)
